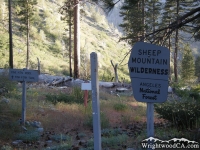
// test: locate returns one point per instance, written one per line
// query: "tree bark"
(115, 70)
(176, 45)
(70, 41)
(10, 36)
(76, 40)
(38, 65)
(27, 34)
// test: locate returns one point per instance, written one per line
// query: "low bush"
(103, 118)
(183, 113)
(28, 136)
(120, 107)
(76, 96)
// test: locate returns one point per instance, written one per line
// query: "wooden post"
(95, 101)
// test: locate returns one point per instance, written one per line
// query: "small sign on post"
(85, 87)
(149, 70)
(23, 75)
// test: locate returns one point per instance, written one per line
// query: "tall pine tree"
(197, 67)
(187, 64)
(133, 20)
(26, 15)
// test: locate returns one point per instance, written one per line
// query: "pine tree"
(197, 66)
(187, 64)
(153, 16)
(133, 20)
(26, 16)
(67, 11)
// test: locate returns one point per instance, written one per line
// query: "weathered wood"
(38, 65)
(115, 70)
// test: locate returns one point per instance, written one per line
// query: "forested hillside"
(167, 23)
(49, 36)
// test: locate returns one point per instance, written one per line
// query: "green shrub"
(120, 107)
(103, 118)
(6, 83)
(183, 113)
(184, 91)
(112, 141)
(64, 146)
(28, 136)
(76, 96)
(61, 137)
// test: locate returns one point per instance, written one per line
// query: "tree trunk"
(10, 36)
(115, 70)
(143, 19)
(70, 43)
(176, 45)
(27, 34)
(76, 40)
(169, 47)
(38, 65)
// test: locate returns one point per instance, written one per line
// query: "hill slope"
(49, 42)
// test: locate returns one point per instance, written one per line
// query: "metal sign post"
(23, 102)
(95, 101)
(23, 75)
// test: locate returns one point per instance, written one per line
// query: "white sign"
(149, 69)
(86, 86)
(23, 75)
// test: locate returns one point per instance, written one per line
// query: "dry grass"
(65, 118)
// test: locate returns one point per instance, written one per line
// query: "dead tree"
(115, 70)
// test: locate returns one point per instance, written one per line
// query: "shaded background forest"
(43, 31)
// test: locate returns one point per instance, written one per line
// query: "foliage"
(61, 137)
(64, 146)
(9, 85)
(187, 64)
(111, 132)
(76, 96)
(103, 118)
(183, 113)
(8, 128)
(132, 12)
(113, 141)
(29, 136)
(120, 107)
(197, 66)
(6, 147)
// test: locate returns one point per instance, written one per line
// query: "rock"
(4, 100)
(36, 124)
(17, 142)
(106, 84)
(24, 128)
(170, 90)
(40, 130)
(49, 142)
(27, 123)
(121, 89)
(83, 143)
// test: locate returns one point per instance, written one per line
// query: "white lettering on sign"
(149, 52)
(23, 75)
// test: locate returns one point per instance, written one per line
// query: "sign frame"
(149, 67)
(23, 75)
